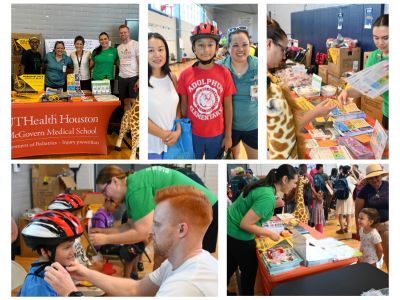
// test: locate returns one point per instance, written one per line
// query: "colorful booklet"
(353, 127)
(358, 150)
(335, 152)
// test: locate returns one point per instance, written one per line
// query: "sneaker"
(340, 231)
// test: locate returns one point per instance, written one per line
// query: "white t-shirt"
(196, 277)
(163, 101)
(367, 246)
(128, 64)
(84, 69)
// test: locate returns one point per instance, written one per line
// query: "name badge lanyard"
(79, 61)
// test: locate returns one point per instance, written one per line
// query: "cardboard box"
(323, 72)
(372, 107)
(344, 60)
(47, 182)
(93, 198)
(335, 80)
(25, 251)
(366, 54)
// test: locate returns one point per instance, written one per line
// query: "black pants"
(210, 238)
(385, 122)
(242, 254)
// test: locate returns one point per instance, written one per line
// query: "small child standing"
(52, 234)
(371, 242)
(206, 91)
(318, 217)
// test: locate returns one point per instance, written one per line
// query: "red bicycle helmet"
(68, 202)
(205, 30)
(50, 228)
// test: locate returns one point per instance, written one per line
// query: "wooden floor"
(329, 231)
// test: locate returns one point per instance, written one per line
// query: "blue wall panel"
(315, 26)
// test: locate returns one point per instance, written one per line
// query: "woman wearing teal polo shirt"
(244, 70)
(246, 215)
(380, 35)
(138, 191)
(55, 66)
(104, 58)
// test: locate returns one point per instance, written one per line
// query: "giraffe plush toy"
(130, 122)
(301, 212)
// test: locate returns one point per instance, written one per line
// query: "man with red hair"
(181, 218)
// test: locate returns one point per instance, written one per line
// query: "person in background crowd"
(380, 35)
(245, 217)
(375, 194)
(81, 59)
(250, 178)
(128, 53)
(181, 217)
(237, 182)
(163, 98)
(31, 59)
(104, 59)
(244, 71)
(55, 67)
(345, 207)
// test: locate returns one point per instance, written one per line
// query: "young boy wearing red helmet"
(52, 234)
(206, 91)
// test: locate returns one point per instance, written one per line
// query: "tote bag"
(183, 148)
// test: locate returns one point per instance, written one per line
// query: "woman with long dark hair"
(380, 35)
(163, 99)
(104, 58)
(245, 217)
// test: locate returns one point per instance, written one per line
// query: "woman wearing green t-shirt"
(380, 34)
(246, 215)
(104, 58)
(137, 190)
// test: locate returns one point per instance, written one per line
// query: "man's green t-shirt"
(374, 58)
(104, 64)
(261, 200)
(143, 185)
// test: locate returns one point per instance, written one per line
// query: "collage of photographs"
(108, 197)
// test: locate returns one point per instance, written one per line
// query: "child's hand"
(227, 143)
(60, 279)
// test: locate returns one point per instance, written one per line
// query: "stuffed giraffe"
(301, 211)
(130, 122)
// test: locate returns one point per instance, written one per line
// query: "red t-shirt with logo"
(206, 90)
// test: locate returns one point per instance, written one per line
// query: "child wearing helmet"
(52, 234)
(206, 91)
(73, 204)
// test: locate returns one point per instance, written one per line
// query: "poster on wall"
(340, 21)
(90, 45)
(368, 18)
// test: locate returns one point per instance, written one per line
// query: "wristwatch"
(75, 294)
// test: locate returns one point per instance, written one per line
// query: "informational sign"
(316, 82)
(378, 140)
(368, 18)
(59, 128)
(340, 21)
(90, 45)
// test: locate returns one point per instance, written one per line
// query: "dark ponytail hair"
(274, 176)
(274, 31)
(98, 50)
(165, 68)
(383, 20)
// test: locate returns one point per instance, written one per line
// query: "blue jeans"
(208, 146)
(155, 156)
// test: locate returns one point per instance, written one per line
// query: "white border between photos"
(393, 161)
